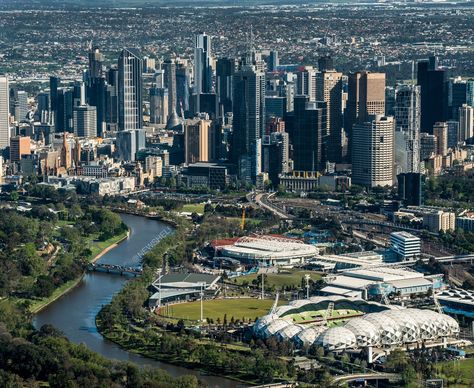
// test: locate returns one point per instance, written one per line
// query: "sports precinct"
(353, 324)
(267, 250)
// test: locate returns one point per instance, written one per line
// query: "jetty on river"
(115, 269)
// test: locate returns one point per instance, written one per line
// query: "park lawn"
(291, 278)
(193, 208)
(466, 369)
(247, 308)
(97, 246)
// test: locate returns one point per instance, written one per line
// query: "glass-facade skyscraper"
(130, 69)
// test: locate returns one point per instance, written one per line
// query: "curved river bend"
(74, 314)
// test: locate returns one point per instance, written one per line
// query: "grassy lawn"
(248, 308)
(97, 247)
(464, 369)
(282, 279)
(193, 208)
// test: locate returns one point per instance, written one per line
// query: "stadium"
(266, 250)
(341, 324)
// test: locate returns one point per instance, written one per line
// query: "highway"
(261, 200)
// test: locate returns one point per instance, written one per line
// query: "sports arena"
(266, 250)
(341, 324)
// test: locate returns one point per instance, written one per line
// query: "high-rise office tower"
(325, 63)
(196, 141)
(42, 107)
(79, 93)
(366, 97)
(130, 69)
(96, 63)
(453, 133)
(111, 100)
(225, 69)
(329, 90)
(466, 123)
(19, 107)
(306, 83)
(440, 130)
(407, 120)
(97, 96)
(460, 92)
(202, 64)
(428, 145)
(54, 84)
(183, 84)
(129, 142)
(169, 67)
(85, 121)
(410, 188)
(158, 105)
(373, 152)
(273, 61)
(275, 155)
(19, 146)
(434, 93)
(307, 136)
(64, 110)
(96, 88)
(248, 119)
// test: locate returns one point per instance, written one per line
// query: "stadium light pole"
(307, 277)
(202, 296)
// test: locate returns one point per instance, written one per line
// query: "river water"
(74, 314)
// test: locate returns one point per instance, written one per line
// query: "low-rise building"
(335, 182)
(437, 221)
(300, 181)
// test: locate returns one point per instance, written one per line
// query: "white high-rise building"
(130, 70)
(466, 123)
(202, 64)
(4, 112)
(306, 81)
(373, 152)
(407, 119)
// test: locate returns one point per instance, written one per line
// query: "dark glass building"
(410, 188)
(434, 94)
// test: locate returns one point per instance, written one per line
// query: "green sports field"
(241, 309)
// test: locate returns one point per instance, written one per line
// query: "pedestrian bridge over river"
(115, 269)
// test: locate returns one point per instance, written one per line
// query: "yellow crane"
(242, 221)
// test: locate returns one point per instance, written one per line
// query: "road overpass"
(365, 377)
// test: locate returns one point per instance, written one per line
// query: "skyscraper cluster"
(259, 118)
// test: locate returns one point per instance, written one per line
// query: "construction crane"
(242, 221)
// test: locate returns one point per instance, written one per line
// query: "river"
(74, 314)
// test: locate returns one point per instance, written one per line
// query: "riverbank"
(97, 251)
(203, 367)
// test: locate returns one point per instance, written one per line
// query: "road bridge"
(365, 377)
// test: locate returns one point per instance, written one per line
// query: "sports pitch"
(242, 308)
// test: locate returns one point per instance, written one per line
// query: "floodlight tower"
(307, 278)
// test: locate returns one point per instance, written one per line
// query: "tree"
(14, 196)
